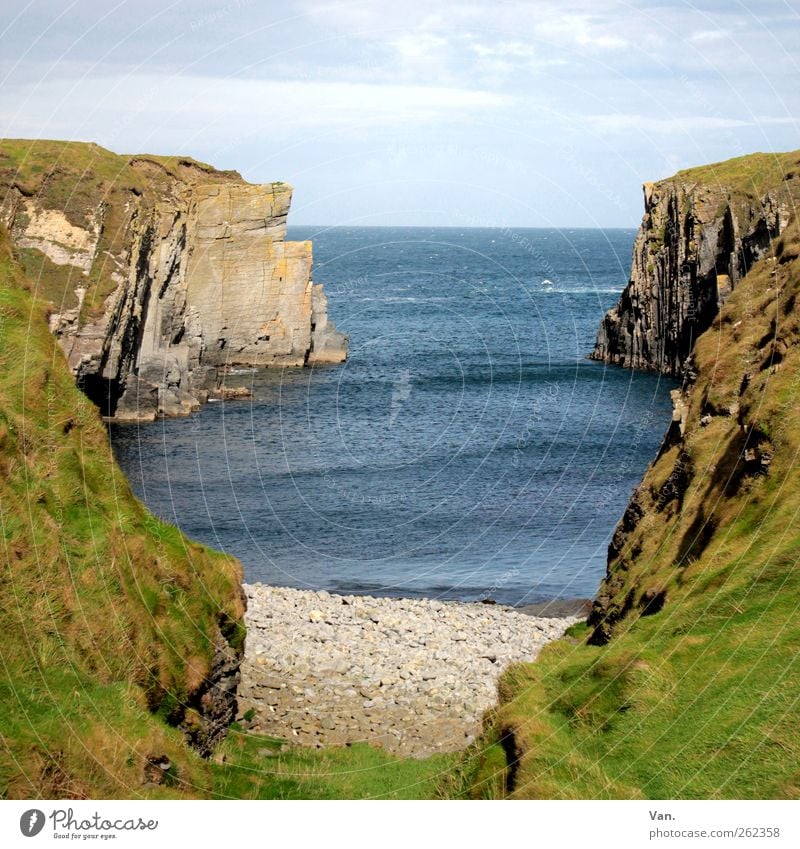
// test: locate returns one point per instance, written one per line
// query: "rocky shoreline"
(411, 675)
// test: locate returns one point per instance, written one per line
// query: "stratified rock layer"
(701, 232)
(162, 273)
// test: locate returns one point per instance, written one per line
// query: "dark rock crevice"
(513, 753)
(213, 706)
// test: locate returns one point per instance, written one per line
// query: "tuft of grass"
(259, 767)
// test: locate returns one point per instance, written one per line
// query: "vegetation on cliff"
(702, 231)
(113, 622)
(746, 177)
(161, 272)
(685, 684)
(77, 179)
(121, 636)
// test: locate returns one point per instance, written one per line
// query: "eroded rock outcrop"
(702, 231)
(163, 273)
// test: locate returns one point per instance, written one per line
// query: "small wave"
(586, 290)
(409, 299)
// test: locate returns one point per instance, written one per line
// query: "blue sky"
(443, 113)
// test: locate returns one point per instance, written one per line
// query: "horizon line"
(464, 227)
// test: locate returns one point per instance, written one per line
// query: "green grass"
(750, 175)
(740, 184)
(98, 598)
(258, 767)
(56, 284)
(701, 699)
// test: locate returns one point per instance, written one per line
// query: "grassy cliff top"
(33, 163)
(752, 175)
(95, 190)
(696, 694)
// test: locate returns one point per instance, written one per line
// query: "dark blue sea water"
(467, 448)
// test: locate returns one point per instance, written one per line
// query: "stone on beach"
(412, 675)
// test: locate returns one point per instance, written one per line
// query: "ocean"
(467, 450)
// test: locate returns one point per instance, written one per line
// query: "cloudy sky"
(469, 112)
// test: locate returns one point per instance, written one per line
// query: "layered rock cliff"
(702, 231)
(162, 273)
(729, 432)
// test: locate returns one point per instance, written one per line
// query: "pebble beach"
(411, 675)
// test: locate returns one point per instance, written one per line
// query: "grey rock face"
(327, 344)
(696, 241)
(205, 281)
(215, 702)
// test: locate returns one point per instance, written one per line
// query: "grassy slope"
(107, 613)
(752, 174)
(700, 699)
(256, 767)
(742, 183)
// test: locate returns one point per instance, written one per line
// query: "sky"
(415, 112)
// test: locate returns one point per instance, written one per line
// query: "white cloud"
(710, 35)
(415, 46)
(136, 107)
(506, 49)
(499, 61)
(670, 125)
(311, 90)
(578, 30)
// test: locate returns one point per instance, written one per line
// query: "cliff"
(682, 683)
(702, 230)
(121, 638)
(161, 273)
